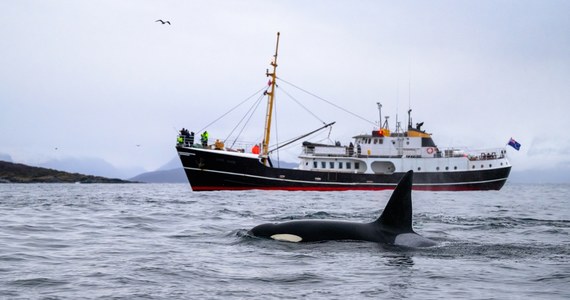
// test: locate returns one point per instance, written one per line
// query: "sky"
(101, 79)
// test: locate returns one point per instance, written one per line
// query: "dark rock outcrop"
(20, 173)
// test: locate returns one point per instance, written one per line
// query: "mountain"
(174, 163)
(5, 157)
(90, 165)
(20, 173)
(176, 175)
(172, 172)
(538, 176)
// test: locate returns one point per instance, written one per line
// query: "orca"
(394, 226)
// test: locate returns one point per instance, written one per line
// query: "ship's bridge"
(382, 143)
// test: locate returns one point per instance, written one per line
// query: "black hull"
(216, 170)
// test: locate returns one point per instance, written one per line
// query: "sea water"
(163, 241)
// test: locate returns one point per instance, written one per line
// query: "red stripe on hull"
(332, 189)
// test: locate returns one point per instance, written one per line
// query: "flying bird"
(163, 22)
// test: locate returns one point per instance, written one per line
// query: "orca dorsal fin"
(398, 212)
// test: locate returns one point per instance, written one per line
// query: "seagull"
(163, 22)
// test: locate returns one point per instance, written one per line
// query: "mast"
(270, 100)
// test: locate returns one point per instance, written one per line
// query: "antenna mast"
(270, 100)
(380, 115)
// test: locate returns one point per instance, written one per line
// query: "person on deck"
(204, 139)
(191, 138)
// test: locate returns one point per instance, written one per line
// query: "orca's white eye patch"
(285, 237)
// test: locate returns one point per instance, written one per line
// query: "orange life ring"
(429, 150)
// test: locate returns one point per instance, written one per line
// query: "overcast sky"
(103, 79)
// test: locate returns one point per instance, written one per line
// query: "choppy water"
(146, 241)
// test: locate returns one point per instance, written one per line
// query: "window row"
(371, 141)
(336, 165)
(455, 167)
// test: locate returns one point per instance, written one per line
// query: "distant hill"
(20, 173)
(555, 175)
(172, 172)
(172, 164)
(90, 165)
(5, 157)
(176, 175)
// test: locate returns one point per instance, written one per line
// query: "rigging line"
(244, 116)
(303, 136)
(292, 142)
(322, 99)
(298, 102)
(233, 108)
(252, 110)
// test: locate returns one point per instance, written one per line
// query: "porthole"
(482, 166)
(455, 167)
(473, 167)
(501, 164)
(446, 168)
(437, 169)
(490, 165)
(419, 168)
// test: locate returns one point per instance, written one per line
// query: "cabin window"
(490, 165)
(323, 165)
(437, 168)
(419, 168)
(348, 165)
(357, 165)
(482, 166)
(315, 164)
(340, 164)
(455, 167)
(331, 164)
(446, 168)
(473, 167)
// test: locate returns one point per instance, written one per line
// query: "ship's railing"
(185, 140)
(189, 141)
(337, 151)
(481, 154)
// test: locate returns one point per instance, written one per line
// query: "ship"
(376, 160)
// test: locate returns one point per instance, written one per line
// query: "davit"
(394, 226)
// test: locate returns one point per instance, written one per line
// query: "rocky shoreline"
(20, 173)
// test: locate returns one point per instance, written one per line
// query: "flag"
(514, 144)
